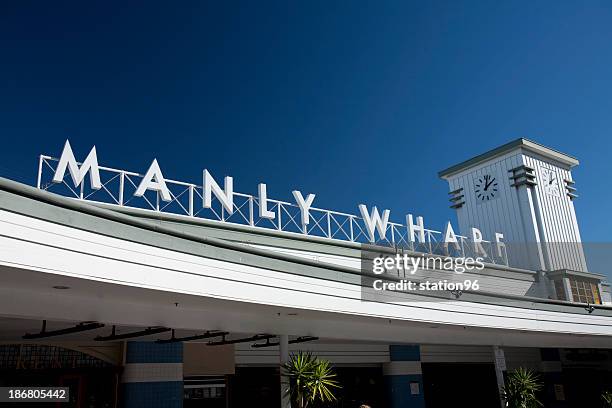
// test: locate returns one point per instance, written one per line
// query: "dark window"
(560, 289)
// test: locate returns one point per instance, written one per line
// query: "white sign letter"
(477, 238)
(263, 203)
(154, 180)
(225, 197)
(412, 228)
(90, 165)
(304, 205)
(450, 237)
(498, 239)
(374, 222)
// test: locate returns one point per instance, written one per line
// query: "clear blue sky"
(358, 102)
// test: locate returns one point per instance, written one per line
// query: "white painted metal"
(62, 252)
(540, 228)
(488, 282)
(557, 218)
(291, 218)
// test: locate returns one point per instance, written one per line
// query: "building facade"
(116, 286)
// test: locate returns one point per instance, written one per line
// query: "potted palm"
(607, 399)
(311, 380)
(521, 389)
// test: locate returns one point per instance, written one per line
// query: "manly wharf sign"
(151, 191)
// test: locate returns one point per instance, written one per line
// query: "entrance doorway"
(254, 387)
(460, 384)
(260, 387)
(584, 385)
(359, 385)
(92, 382)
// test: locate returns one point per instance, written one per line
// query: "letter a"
(154, 180)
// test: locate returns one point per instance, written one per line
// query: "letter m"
(90, 165)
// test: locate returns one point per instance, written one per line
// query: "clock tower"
(525, 191)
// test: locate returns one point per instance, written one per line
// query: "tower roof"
(520, 143)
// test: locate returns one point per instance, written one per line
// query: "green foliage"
(521, 389)
(311, 379)
(607, 398)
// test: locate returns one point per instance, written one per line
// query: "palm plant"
(521, 389)
(311, 379)
(607, 398)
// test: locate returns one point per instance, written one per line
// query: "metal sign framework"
(118, 187)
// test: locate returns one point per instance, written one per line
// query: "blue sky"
(358, 102)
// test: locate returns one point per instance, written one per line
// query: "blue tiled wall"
(150, 352)
(152, 394)
(405, 353)
(398, 386)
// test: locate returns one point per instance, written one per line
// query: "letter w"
(374, 222)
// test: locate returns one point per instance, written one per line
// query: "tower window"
(584, 291)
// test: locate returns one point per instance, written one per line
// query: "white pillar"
(500, 367)
(284, 381)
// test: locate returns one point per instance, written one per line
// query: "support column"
(152, 375)
(552, 376)
(500, 368)
(284, 381)
(404, 377)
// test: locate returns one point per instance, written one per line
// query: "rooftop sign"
(87, 180)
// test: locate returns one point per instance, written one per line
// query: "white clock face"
(485, 188)
(550, 180)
